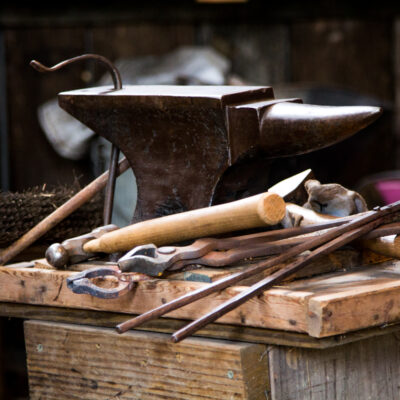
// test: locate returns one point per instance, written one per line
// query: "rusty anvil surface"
(181, 140)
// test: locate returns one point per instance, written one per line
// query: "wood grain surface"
(368, 369)
(326, 305)
(76, 362)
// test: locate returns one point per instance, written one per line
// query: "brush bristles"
(20, 211)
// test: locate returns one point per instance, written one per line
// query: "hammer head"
(71, 251)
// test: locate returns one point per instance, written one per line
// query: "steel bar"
(272, 280)
(263, 249)
(110, 188)
(116, 77)
(59, 214)
(255, 269)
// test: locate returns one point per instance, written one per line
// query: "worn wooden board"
(48, 287)
(212, 331)
(74, 362)
(368, 369)
(326, 305)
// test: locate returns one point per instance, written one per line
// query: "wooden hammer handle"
(256, 211)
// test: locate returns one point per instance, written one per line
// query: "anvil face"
(181, 140)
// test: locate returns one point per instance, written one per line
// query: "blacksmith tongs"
(152, 260)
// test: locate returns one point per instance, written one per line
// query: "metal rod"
(116, 77)
(188, 298)
(110, 188)
(272, 280)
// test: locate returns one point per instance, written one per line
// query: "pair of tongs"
(216, 252)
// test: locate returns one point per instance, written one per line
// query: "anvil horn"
(180, 140)
(295, 128)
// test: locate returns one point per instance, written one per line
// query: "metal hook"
(116, 77)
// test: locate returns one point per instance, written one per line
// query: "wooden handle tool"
(256, 211)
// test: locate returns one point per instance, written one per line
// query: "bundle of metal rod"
(328, 242)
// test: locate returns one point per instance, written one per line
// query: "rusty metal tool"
(386, 245)
(357, 226)
(116, 77)
(196, 137)
(213, 252)
(81, 283)
(59, 214)
(256, 211)
(152, 260)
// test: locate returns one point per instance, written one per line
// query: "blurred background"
(325, 52)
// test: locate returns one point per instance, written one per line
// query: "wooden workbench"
(330, 336)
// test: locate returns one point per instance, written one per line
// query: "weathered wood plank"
(170, 325)
(368, 369)
(355, 301)
(322, 306)
(48, 287)
(67, 361)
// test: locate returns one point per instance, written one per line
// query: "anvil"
(181, 141)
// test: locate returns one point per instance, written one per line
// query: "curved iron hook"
(116, 77)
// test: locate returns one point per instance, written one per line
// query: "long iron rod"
(271, 280)
(255, 269)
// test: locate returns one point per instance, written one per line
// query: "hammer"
(260, 210)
